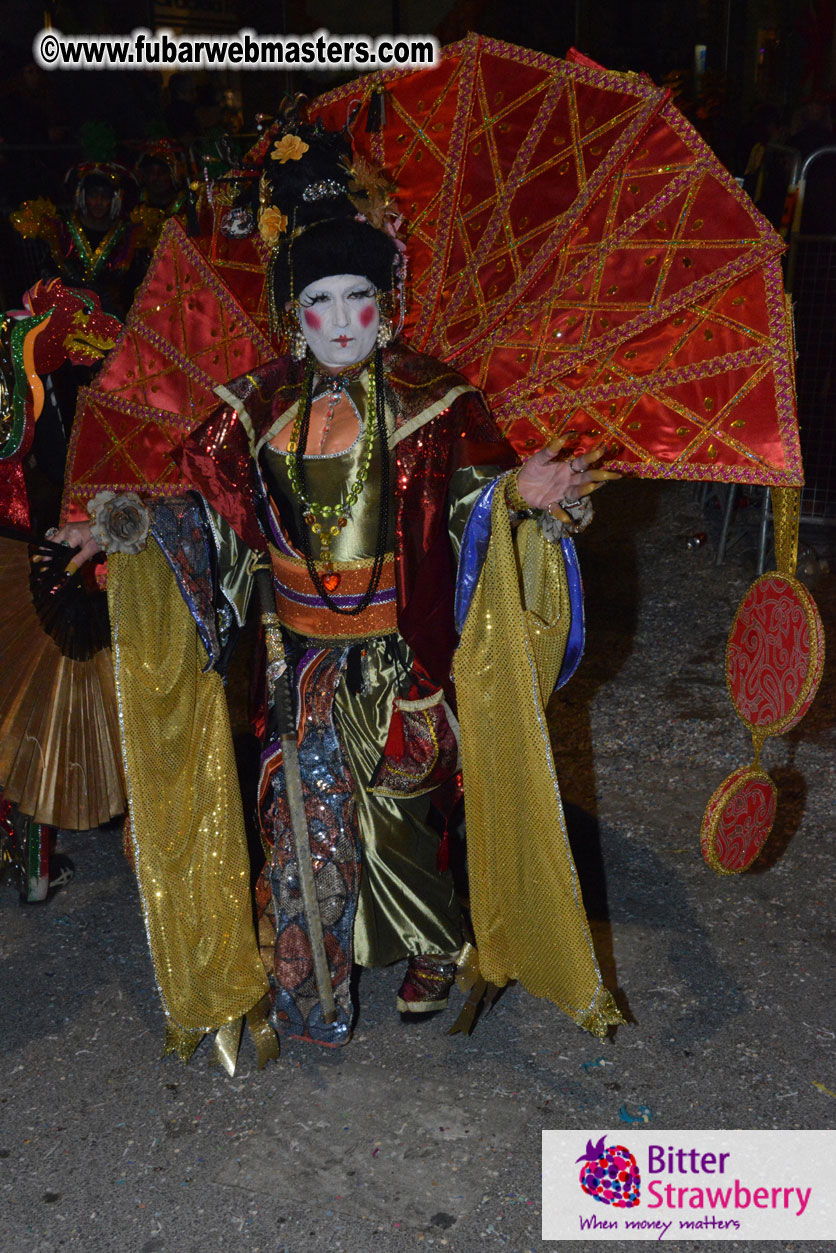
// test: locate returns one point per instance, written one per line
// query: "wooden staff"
(279, 681)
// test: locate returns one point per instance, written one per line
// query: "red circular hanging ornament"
(775, 654)
(738, 819)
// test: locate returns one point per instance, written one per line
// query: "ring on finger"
(51, 533)
(572, 504)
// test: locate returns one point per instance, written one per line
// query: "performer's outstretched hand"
(547, 481)
(76, 535)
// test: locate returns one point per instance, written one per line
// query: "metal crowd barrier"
(807, 220)
(811, 280)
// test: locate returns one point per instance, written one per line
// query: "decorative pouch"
(422, 745)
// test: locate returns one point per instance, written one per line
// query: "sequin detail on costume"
(179, 528)
(331, 811)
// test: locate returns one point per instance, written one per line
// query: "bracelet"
(120, 524)
(513, 499)
(581, 513)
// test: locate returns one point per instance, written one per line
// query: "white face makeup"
(339, 318)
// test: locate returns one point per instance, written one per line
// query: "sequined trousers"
(381, 896)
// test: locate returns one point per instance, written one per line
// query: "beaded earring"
(384, 333)
(298, 343)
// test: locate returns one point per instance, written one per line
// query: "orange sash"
(300, 607)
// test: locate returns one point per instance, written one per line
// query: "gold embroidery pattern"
(584, 283)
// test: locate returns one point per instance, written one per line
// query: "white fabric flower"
(120, 523)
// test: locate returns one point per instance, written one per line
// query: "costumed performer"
(57, 326)
(93, 243)
(161, 173)
(92, 246)
(388, 506)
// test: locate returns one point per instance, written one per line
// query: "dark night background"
(776, 53)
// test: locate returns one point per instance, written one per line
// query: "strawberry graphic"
(610, 1175)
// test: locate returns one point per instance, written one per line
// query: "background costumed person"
(364, 470)
(162, 175)
(92, 243)
(56, 326)
(92, 247)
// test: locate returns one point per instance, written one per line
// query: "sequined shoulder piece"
(419, 383)
(420, 386)
(261, 394)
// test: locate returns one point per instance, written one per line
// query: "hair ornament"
(264, 191)
(289, 148)
(272, 224)
(370, 190)
(322, 210)
(325, 189)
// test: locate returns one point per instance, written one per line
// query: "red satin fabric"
(216, 460)
(426, 575)
(199, 318)
(574, 249)
(580, 254)
(14, 499)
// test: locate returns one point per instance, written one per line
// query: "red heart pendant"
(331, 582)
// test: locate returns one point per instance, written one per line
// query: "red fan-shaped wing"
(199, 319)
(579, 253)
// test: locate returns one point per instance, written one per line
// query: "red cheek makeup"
(367, 315)
(311, 320)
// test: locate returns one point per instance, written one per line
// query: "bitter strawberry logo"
(610, 1175)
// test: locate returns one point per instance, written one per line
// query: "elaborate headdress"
(323, 211)
(163, 152)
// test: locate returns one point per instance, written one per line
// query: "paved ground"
(409, 1138)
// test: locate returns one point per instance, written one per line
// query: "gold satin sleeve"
(466, 484)
(187, 823)
(525, 898)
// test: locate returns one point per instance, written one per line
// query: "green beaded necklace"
(315, 514)
(312, 510)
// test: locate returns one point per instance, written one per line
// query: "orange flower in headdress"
(271, 224)
(289, 148)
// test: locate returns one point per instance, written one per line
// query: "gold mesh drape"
(187, 824)
(526, 903)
